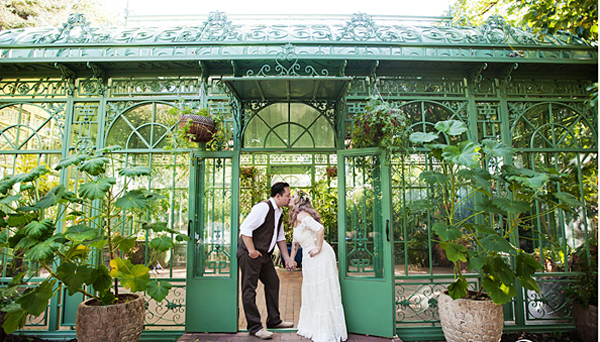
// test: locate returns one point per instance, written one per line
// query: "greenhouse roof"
(232, 46)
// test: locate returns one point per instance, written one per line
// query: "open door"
(366, 240)
(211, 285)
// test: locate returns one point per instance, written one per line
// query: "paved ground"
(287, 336)
(289, 305)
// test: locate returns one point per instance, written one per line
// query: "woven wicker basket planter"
(115, 323)
(202, 127)
(466, 320)
(586, 321)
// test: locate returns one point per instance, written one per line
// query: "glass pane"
(212, 250)
(364, 226)
(28, 127)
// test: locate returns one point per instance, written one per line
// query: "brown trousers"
(262, 269)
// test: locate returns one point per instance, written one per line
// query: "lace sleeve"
(312, 224)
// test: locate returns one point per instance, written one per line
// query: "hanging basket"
(201, 129)
(119, 322)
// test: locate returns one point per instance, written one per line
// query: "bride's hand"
(314, 251)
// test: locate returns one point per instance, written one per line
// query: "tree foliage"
(544, 17)
(27, 13)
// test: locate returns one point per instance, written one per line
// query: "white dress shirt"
(257, 217)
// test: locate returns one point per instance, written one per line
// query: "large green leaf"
(75, 159)
(421, 138)
(42, 251)
(15, 319)
(74, 276)
(512, 206)
(432, 177)
(35, 300)
(501, 271)
(488, 206)
(495, 242)
(568, 199)
(161, 243)
(124, 244)
(95, 166)
(119, 267)
(454, 251)
(133, 199)
(155, 226)
(96, 189)
(451, 127)
(137, 279)
(5, 186)
(158, 290)
(135, 171)
(80, 232)
(9, 199)
(20, 241)
(526, 266)
(100, 279)
(530, 179)
(481, 177)
(476, 260)
(52, 197)
(39, 230)
(465, 154)
(495, 148)
(446, 232)
(458, 288)
(20, 219)
(497, 291)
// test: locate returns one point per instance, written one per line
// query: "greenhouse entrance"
(296, 142)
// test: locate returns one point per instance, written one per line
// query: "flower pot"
(202, 128)
(465, 320)
(586, 321)
(123, 322)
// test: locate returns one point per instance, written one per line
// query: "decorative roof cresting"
(361, 28)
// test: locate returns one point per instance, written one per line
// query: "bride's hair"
(303, 204)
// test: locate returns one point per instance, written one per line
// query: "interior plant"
(186, 134)
(381, 124)
(480, 203)
(100, 222)
(583, 291)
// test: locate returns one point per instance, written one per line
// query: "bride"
(321, 314)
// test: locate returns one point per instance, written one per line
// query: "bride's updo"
(302, 203)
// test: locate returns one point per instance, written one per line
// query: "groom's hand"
(254, 253)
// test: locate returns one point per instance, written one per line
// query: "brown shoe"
(284, 325)
(263, 334)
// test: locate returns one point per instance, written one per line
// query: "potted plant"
(479, 212)
(381, 124)
(102, 221)
(583, 291)
(197, 124)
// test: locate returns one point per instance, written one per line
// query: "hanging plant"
(381, 124)
(197, 124)
(331, 171)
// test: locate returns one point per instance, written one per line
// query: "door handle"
(387, 229)
(189, 226)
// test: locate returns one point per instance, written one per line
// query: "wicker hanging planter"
(201, 129)
(120, 322)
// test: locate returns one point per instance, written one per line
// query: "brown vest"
(263, 235)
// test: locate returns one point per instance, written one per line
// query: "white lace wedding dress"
(321, 314)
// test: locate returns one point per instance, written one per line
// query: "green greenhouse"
(288, 91)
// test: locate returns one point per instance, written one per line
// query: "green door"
(211, 286)
(365, 237)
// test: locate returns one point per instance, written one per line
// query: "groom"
(259, 233)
